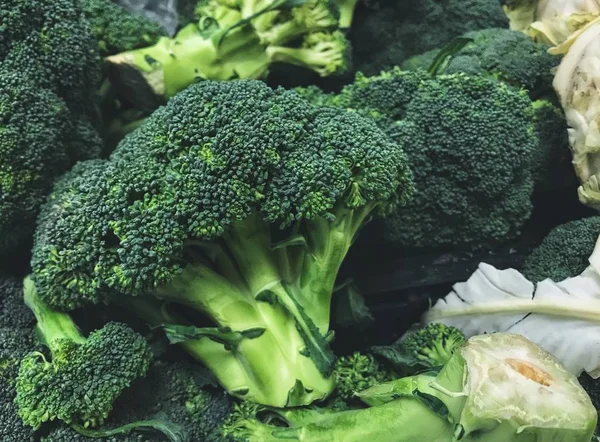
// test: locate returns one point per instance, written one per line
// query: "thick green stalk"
(346, 12)
(402, 420)
(324, 58)
(270, 368)
(52, 325)
(171, 65)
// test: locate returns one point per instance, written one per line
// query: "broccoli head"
(470, 143)
(433, 345)
(84, 376)
(36, 145)
(357, 372)
(503, 54)
(392, 32)
(565, 251)
(237, 201)
(116, 29)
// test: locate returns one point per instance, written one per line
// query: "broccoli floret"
(222, 45)
(173, 395)
(433, 345)
(16, 340)
(357, 372)
(117, 30)
(14, 344)
(84, 376)
(49, 71)
(391, 33)
(552, 164)
(565, 251)
(52, 43)
(235, 200)
(502, 54)
(36, 145)
(470, 143)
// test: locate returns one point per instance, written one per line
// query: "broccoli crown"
(469, 141)
(565, 251)
(35, 142)
(84, 377)
(117, 30)
(218, 153)
(503, 54)
(177, 394)
(52, 42)
(357, 372)
(14, 344)
(392, 33)
(433, 345)
(13, 311)
(552, 160)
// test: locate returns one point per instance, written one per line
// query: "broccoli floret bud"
(434, 344)
(117, 30)
(238, 201)
(357, 372)
(84, 376)
(564, 252)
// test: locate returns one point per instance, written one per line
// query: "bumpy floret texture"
(509, 56)
(16, 340)
(391, 33)
(565, 251)
(118, 30)
(469, 141)
(434, 345)
(217, 153)
(52, 42)
(35, 142)
(83, 380)
(357, 372)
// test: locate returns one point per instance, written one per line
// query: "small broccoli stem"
(325, 58)
(283, 33)
(346, 8)
(328, 242)
(52, 326)
(402, 420)
(171, 65)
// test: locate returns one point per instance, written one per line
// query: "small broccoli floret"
(325, 53)
(14, 344)
(565, 251)
(503, 54)
(470, 143)
(117, 30)
(84, 376)
(358, 372)
(35, 142)
(433, 345)
(237, 201)
(392, 32)
(312, 16)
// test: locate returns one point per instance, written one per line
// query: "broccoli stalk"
(346, 8)
(85, 376)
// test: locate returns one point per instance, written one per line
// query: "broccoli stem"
(52, 326)
(171, 65)
(325, 58)
(402, 420)
(346, 8)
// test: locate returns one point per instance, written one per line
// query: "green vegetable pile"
(176, 221)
